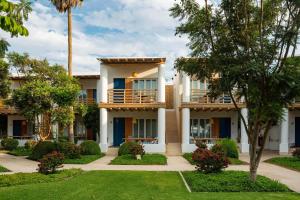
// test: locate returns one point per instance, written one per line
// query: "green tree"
(11, 20)
(91, 118)
(248, 44)
(63, 6)
(45, 91)
(13, 15)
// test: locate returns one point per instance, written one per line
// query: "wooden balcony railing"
(201, 96)
(87, 101)
(129, 96)
(6, 108)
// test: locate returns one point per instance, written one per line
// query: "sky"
(106, 28)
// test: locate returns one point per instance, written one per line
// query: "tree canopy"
(251, 45)
(44, 90)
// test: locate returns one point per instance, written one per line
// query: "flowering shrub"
(50, 162)
(137, 149)
(218, 149)
(200, 144)
(208, 161)
(296, 153)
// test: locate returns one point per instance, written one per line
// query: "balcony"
(132, 99)
(200, 100)
(87, 101)
(295, 105)
(5, 109)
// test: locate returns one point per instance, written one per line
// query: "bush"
(200, 144)
(296, 153)
(90, 147)
(50, 162)
(69, 149)
(137, 149)
(230, 148)
(209, 162)
(42, 148)
(125, 148)
(30, 144)
(9, 144)
(218, 149)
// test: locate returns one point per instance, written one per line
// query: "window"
(145, 128)
(200, 128)
(144, 84)
(82, 95)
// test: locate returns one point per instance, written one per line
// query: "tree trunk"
(253, 163)
(71, 128)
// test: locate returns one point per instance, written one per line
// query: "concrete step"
(174, 149)
(112, 151)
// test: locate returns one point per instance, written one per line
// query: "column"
(103, 129)
(244, 137)
(186, 87)
(185, 113)
(284, 139)
(161, 125)
(161, 96)
(103, 86)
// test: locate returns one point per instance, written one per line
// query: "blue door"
(225, 128)
(119, 86)
(297, 131)
(119, 131)
(17, 127)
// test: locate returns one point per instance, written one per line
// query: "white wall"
(126, 70)
(88, 83)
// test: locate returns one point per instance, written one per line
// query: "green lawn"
(147, 159)
(36, 178)
(231, 181)
(288, 162)
(85, 159)
(20, 151)
(126, 185)
(3, 169)
(232, 161)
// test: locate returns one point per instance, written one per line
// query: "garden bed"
(231, 181)
(3, 169)
(33, 178)
(232, 161)
(287, 162)
(20, 151)
(147, 159)
(84, 159)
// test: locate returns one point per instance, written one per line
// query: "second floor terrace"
(132, 83)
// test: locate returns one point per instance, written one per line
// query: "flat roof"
(76, 76)
(132, 60)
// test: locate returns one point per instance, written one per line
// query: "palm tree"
(63, 6)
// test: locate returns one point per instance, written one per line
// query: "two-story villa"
(208, 119)
(13, 124)
(132, 102)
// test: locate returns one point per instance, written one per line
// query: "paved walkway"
(175, 163)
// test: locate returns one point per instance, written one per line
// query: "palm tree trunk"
(71, 128)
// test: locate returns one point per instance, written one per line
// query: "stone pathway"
(175, 163)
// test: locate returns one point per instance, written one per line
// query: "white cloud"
(145, 29)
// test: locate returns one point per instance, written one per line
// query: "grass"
(147, 159)
(3, 169)
(85, 159)
(287, 162)
(36, 178)
(126, 185)
(231, 181)
(232, 161)
(20, 151)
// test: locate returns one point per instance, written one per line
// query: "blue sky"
(102, 28)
